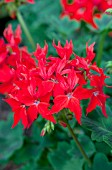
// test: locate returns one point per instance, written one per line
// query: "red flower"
(5, 74)
(3, 51)
(14, 38)
(97, 97)
(71, 98)
(41, 53)
(30, 1)
(65, 51)
(7, 1)
(86, 63)
(102, 5)
(84, 9)
(50, 84)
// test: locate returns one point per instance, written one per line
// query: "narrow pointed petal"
(16, 118)
(24, 117)
(72, 79)
(92, 104)
(74, 106)
(32, 113)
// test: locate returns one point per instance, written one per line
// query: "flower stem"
(79, 145)
(100, 47)
(1, 3)
(26, 31)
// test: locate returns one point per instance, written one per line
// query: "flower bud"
(43, 132)
(109, 11)
(69, 116)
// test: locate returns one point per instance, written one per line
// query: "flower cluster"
(38, 85)
(29, 1)
(85, 10)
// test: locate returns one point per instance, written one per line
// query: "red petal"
(13, 103)
(46, 98)
(32, 113)
(82, 93)
(65, 51)
(20, 114)
(61, 65)
(90, 54)
(45, 87)
(41, 53)
(62, 81)
(16, 118)
(7, 1)
(72, 79)
(102, 98)
(43, 108)
(74, 106)
(31, 1)
(24, 116)
(60, 102)
(57, 90)
(5, 74)
(92, 104)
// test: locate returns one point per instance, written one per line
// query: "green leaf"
(61, 159)
(43, 163)
(102, 148)
(101, 162)
(104, 23)
(10, 139)
(100, 126)
(29, 152)
(60, 29)
(87, 145)
(29, 166)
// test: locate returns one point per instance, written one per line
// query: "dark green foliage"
(10, 139)
(100, 126)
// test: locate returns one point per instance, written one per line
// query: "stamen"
(36, 102)
(96, 93)
(69, 95)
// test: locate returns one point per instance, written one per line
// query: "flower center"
(53, 80)
(69, 95)
(81, 11)
(36, 102)
(96, 93)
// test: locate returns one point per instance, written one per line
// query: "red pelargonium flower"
(3, 51)
(65, 51)
(5, 74)
(45, 85)
(85, 10)
(97, 96)
(7, 1)
(30, 1)
(14, 38)
(102, 5)
(71, 97)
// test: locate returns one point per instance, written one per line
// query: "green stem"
(26, 31)
(2, 3)
(100, 47)
(79, 145)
